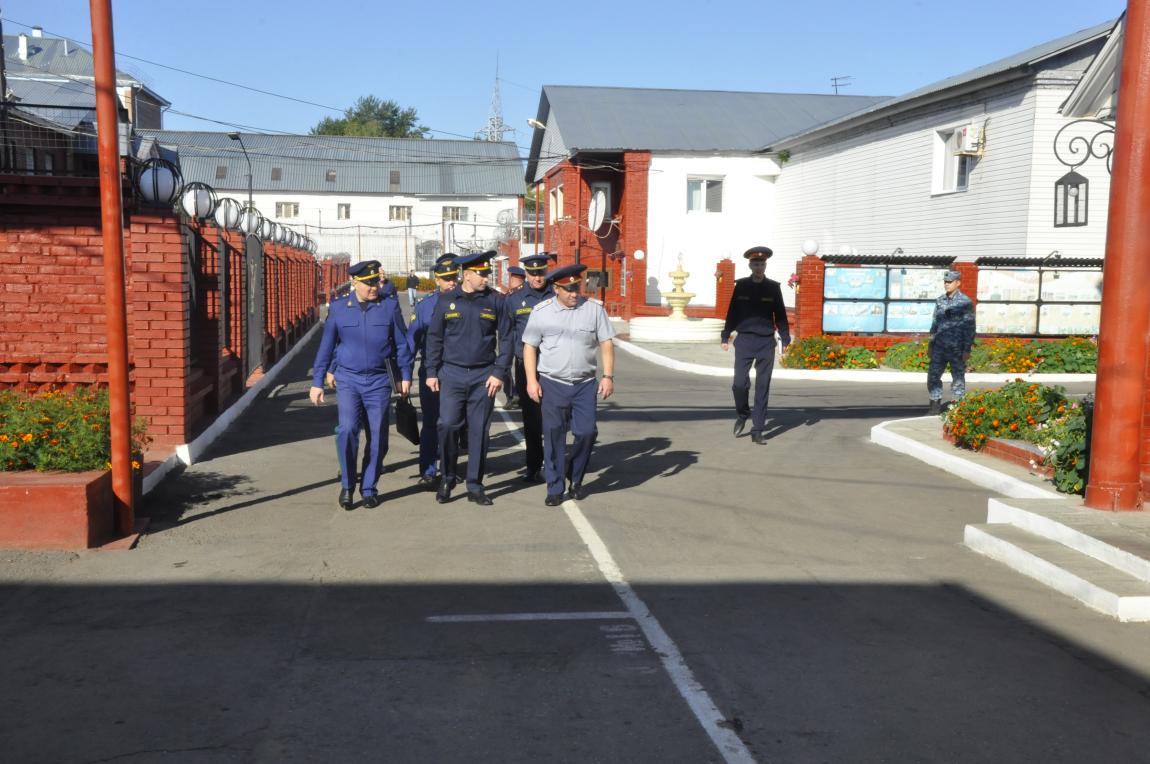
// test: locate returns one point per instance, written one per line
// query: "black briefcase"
(407, 420)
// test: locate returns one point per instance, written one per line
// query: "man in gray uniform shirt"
(559, 346)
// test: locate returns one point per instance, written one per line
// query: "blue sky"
(440, 58)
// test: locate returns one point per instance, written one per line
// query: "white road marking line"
(484, 617)
(730, 746)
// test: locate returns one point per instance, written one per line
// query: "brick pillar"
(809, 297)
(969, 273)
(633, 211)
(724, 286)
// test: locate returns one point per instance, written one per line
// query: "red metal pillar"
(1115, 483)
(112, 222)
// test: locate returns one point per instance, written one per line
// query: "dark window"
(277, 173)
(330, 178)
(221, 171)
(393, 181)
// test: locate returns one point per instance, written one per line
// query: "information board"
(1072, 286)
(1006, 318)
(854, 283)
(1008, 284)
(866, 317)
(909, 316)
(916, 283)
(1069, 319)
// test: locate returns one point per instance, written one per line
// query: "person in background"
(522, 303)
(560, 342)
(756, 312)
(412, 288)
(515, 278)
(951, 338)
(445, 273)
(361, 333)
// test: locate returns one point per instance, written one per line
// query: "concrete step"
(1118, 539)
(1088, 580)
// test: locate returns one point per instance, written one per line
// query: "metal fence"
(48, 140)
(406, 248)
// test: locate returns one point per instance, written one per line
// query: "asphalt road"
(805, 601)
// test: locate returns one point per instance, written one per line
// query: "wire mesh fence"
(48, 140)
(404, 248)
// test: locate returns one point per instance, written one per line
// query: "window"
(277, 173)
(30, 160)
(555, 209)
(704, 194)
(952, 170)
(330, 176)
(397, 212)
(529, 235)
(455, 213)
(287, 209)
(221, 171)
(49, 163)
(343, 212)
(393, 181)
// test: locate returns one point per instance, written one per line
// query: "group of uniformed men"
(469, 339)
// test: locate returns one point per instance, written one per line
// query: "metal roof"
(887, 259)
(360, 165)
(606, 118)
(56, 101)
(1030, 262)
(1018, 63)
(51, 55)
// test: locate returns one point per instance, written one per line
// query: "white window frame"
(343, 211)
(706, 181)
(555, 207)
(456, 214)
(952, 171)
(400, 212)
(287, 210)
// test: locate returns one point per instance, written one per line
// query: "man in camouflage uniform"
(951, 337)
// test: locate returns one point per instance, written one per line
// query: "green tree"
(370, 117)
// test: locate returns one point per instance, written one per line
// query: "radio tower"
(496, 128)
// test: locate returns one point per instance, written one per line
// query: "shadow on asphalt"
(831, 672)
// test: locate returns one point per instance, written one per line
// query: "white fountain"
(676, 327)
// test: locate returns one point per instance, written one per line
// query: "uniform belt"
(469, 367)
(565, 382)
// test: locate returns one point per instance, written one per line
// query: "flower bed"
(1074, 355)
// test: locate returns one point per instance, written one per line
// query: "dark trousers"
(567, 408)
(363, 404)
(532, 420)
(751, 349)
(428, 428)
(463, 400)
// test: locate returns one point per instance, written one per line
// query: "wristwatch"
(609, 376)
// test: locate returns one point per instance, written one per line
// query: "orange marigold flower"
(1013, 426)
(26, 437)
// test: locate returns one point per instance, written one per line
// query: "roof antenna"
(841, 81)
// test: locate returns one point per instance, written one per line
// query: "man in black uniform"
(756, 312)
(467, 354)
(521, 302)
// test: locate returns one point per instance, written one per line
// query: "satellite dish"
(597, 210)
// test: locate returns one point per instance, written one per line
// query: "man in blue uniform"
(362, 331)
(951, 338)
(756, 312)
(467, 354)
(515, 278)
(535, 290)
(559, 346)
(445, 272)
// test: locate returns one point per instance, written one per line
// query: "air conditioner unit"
(968, 140)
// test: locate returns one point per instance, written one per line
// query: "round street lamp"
(158, 182)
(251, 221)
(228, 214)
(198, 200)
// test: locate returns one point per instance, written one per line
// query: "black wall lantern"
(1071, 200)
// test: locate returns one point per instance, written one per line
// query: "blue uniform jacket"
(417, 330)
(757, 308)
(472, 329)
(360, 341)
(953, 324)
(520, 303)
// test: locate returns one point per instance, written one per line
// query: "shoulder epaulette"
(541, 303)
(595, 300)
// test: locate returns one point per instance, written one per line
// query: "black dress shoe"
(934, 408)
(759, 438)
(555, 499)
(576, 491)
(443, 495)
(345, 500)
(740, 425)
(532, 476)
(479, 497)
(428, 482)
(373, 501)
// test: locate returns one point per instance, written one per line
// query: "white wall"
(369, 235)
(705, 238)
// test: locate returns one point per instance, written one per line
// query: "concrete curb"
(841, 375)
(188, 453)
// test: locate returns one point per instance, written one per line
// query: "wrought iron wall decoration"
(1072, 190)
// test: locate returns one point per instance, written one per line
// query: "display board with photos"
(913, 317)
(915, 283)
(854, 283)
(868, 316)
(1039, 301)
